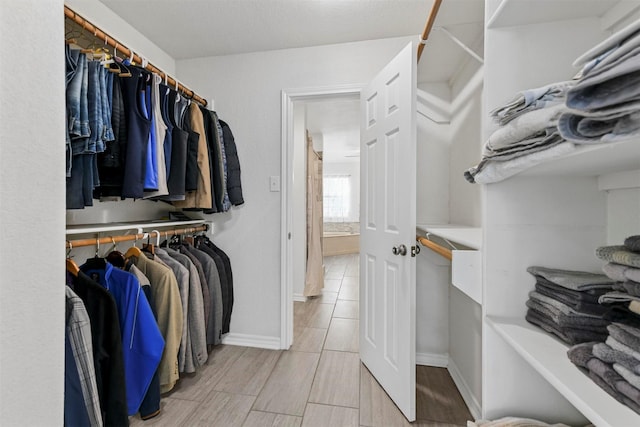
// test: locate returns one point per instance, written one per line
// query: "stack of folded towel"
(565, 303)
(615, 363)
(588, 357)
(604, 105)
(528, 131)
(623, 266)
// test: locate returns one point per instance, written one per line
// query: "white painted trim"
(465, 391)
(286, 172)
(619, 180)
(299, 297)
(246, 340)
(432, 359)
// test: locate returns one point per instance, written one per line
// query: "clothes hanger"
(115, 257)
(96, 263)
(72, 267)
(149, 247)
(133, 251)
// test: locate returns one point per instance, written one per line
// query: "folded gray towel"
(616, 381)
(563, 309)
(617, 297)
(562, 321)
(604, 352)
(632, 243)
(631, 287)
(632, 274)
(579, 306)
(568, 335)
(617, 345)
(626, 335)
(580, 354)
(575, 280)
(615, 271)
(619, 255)
(630, 376)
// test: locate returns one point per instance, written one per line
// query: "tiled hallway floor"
(318, 382)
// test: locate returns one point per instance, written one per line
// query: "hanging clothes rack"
(129, 237)
(427, 28)
(440, 250)
(108, 40)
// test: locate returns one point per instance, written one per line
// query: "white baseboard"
(246, 340)
(432, 359)
(465, 391)
(299, 298)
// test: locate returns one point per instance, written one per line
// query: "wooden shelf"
(524, 12)
(468, 236)
(122, 226)
(548, 356)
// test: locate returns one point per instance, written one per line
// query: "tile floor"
(318, 382)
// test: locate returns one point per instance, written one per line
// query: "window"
(336, 198)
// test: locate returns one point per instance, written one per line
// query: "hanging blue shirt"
(142, 343)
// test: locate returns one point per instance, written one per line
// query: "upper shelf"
(548, 356)
(592, 160)
(464, 235)
(522, 12)
(121, 226)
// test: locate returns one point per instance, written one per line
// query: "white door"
(388, 229)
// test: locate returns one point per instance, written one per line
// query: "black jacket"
(234, 187)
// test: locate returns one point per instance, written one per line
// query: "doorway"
(332, 117)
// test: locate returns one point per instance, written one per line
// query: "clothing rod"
(71, 244)
(427, 28)
(440, 250)
(101, 35)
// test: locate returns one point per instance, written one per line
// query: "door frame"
(288, 97)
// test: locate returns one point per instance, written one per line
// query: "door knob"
(399, 250)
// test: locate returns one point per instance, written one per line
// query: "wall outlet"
(274, 183)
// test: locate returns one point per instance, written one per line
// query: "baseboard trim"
(432, 359)
(465, 391)
(246, 340)
(299, 298)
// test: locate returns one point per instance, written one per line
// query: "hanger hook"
(157, 237)
(97, 246)
(70, 247)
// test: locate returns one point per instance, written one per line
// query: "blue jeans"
(78, 117)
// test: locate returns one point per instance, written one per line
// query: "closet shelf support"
(101, 35)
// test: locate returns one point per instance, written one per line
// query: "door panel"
(388, 195)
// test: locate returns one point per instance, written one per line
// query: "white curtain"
(336, 200)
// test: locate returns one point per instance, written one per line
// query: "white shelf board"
(548, 356)
(523, 12)
(592, 160)
(121, 226)
(465, 235)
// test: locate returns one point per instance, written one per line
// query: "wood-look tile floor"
(318, 382)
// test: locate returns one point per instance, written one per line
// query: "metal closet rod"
(124, 238)
(427, 28)
(99, 34)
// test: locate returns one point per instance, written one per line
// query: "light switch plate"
(274, 183)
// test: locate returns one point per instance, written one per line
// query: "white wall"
(432, 153)
(32, 185)
(247, 90)
(299, 199)
(351, 168)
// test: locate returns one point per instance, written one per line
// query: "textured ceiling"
(200, 28)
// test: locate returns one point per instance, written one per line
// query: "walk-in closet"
(498, 277)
